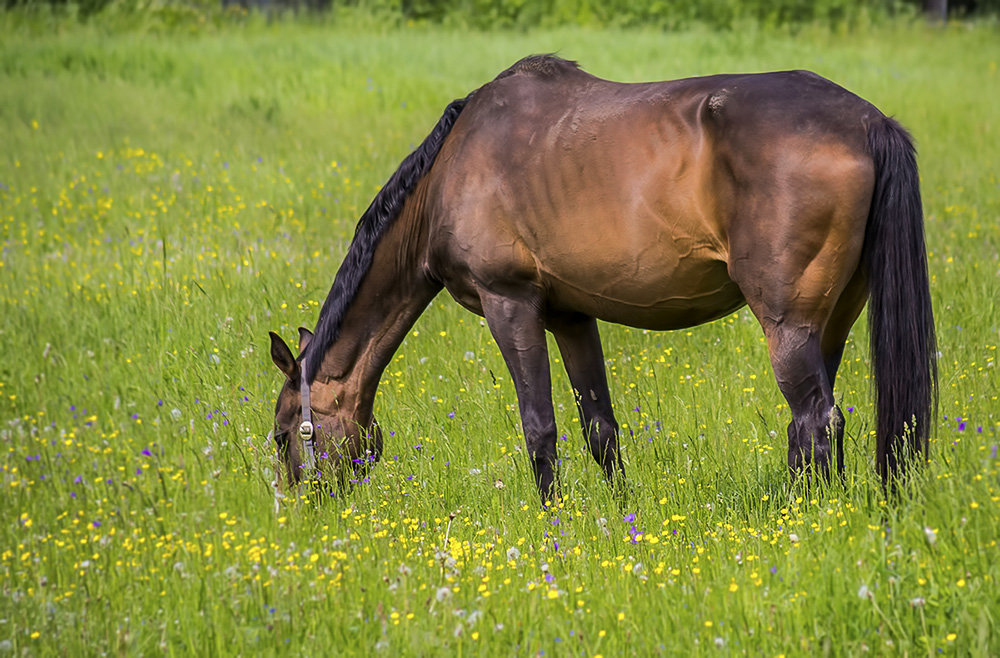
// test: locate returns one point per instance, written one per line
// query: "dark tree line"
(664, 14)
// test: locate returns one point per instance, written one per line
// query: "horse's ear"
(304, 337)
(282, 357)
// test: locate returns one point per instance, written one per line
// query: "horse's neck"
(393, 294)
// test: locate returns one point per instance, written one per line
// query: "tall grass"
(166, 198)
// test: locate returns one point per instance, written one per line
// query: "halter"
(306, 430)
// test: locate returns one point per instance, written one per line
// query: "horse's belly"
(648, 293)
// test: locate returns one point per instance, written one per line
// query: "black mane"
(386, 206)
(384, 209)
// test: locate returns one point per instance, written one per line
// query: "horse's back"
(621, 200)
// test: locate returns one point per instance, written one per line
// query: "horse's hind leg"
(580, 345)
(519, 330)
(838, 327)
(801, 373)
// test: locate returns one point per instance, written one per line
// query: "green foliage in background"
(171, 192)
(523, 14)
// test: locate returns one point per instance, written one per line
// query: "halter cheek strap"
(306, 430)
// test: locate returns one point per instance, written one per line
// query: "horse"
(550, 198)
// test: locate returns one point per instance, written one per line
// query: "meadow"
(168, 196)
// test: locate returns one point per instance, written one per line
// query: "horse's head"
(342, 443)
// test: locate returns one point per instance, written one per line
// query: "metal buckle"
(306, 430)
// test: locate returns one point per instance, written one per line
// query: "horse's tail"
(384, 209)
(900, 318)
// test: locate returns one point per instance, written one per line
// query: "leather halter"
(307, 433)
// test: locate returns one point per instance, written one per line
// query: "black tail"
(900, 318)
(384, 209)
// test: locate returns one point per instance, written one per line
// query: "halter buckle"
(306, 430)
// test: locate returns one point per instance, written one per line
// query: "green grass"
(167, 198)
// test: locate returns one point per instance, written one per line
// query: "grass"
(166, 198)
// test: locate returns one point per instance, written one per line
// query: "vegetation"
(493, 14)
(168, 195)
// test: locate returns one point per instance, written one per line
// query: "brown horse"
(549, 197)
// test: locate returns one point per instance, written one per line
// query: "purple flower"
(146, 452)
(850, 410)
(97, 524)
(630, 517)
(451, 414)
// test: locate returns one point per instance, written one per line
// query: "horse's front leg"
(580, 345)
(519, 330)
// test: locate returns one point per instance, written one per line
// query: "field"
(169, 196)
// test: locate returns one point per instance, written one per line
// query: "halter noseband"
(307, 432)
